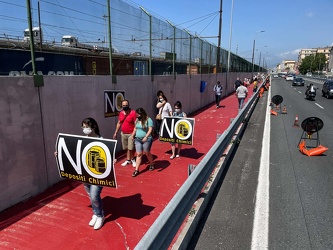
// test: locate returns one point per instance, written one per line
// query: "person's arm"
(184, 114)
(117, 129)
(169, 109)
(160, 104)
(133, 133)
(150, 130)
(170, 112)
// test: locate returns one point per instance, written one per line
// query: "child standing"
(179, 113)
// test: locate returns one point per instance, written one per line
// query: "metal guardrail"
(318, 78)
(166, 226)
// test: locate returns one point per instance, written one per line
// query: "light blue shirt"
(142, 132)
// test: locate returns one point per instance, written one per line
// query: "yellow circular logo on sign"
(182, 129)
(119, 100)
(96, 160)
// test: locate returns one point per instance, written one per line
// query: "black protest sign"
(86, 159)
(177, 130)
(112, 102)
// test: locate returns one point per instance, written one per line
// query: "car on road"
(275, 76)
(298, 81)
(327, 89)
(309, 74)
(289, 78)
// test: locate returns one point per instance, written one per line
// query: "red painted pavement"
(58, 218)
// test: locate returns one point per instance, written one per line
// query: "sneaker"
(99, 222)
(177, 156)
(135, 173)
(151, 167)
(133, 163)
(93, 220)
(126, 163)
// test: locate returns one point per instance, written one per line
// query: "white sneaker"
(93, 220)
(133, 163)
(99, 223)
(126, 163)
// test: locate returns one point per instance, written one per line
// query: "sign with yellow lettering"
(177, 130)
(86, 159)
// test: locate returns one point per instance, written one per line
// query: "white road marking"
(319, 106)
(261, 211)
(300, 92)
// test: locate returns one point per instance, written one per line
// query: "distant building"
(325, 50)
(287, 66)
(330, 62)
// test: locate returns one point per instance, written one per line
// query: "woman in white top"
(163, 106)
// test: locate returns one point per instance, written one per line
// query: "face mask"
(161, 100)
(87, 131)
(177, 110)
(125, 108)
(139, 118)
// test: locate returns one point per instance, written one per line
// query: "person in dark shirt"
(238, 83)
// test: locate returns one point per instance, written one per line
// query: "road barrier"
(162, 232)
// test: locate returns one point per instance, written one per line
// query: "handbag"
(159, 115)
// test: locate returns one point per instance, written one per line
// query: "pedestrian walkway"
(58, 218)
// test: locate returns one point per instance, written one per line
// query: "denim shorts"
(143, 146)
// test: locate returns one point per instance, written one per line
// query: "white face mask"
(161, 100)
(87, 131)
(177, 110)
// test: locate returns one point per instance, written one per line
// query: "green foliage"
(313, 63)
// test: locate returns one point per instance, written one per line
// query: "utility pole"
(174, 49)
(190, 51)
(109, 36)
(40, 29)
(150, 39)
(32, 43)
(218, 51)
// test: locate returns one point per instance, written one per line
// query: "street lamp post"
(254, 46)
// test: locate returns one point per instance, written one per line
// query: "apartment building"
(325, 50)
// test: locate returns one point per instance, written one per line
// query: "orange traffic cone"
(273, 112)
(296, 121)
(284, 111)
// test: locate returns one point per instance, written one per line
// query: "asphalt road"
(275, 197)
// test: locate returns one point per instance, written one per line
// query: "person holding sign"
(143, 139)
(91, 129)
(179, 113)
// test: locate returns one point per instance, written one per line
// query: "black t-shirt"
(237, 83)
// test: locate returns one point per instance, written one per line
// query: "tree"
(313, 63)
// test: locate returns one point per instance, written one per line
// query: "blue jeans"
(94, 193)
(240, 103)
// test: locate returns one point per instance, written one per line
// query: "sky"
(279, 28)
